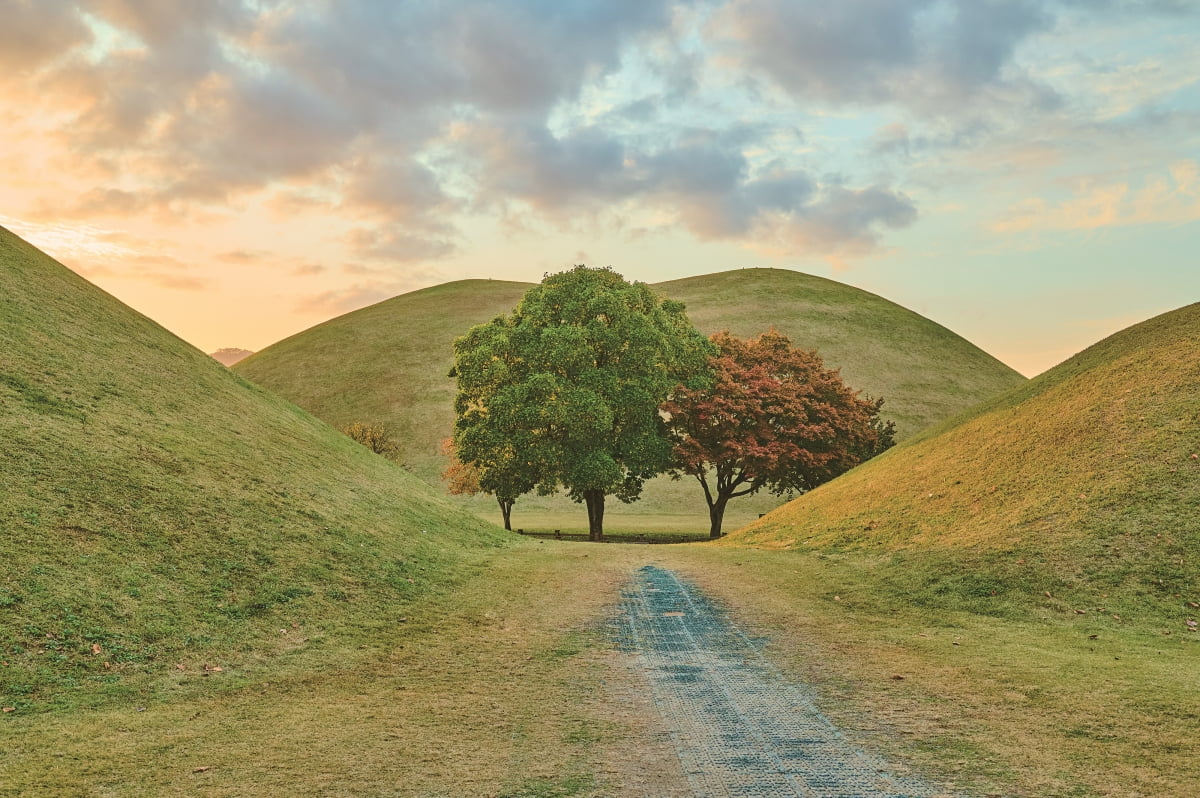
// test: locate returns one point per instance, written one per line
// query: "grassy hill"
(1081, 487)
(388, 363)
(161, 516)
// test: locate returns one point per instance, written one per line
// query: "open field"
(506, 686)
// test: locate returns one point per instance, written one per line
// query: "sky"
(1024, 172)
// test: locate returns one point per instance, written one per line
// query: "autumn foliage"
(376, 437)
(466, 479)
(774, 418)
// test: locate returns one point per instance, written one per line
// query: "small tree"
(467, 479)
(565, 391)
(774, 417)
(376, 437)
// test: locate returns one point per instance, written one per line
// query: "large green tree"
(773, 417)
(565, 391)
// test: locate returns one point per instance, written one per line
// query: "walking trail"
(738, 727)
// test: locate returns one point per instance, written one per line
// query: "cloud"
(396, 244)
(701, 180)
(35, 32)
(929, 55)
(1162, 199)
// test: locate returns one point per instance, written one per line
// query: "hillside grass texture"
(1081, 487)
(161, 516)
(207, 592)
(389, 363)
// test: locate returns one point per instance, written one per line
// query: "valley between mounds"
(507, 685)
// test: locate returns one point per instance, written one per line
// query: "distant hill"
(157, 509)
(388, 362)
(228, 356)
(1087, 477)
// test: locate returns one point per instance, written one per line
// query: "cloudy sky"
(1026, 172)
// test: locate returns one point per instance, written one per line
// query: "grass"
(1041, 703)
(1031, 706)
(388, 362)
(506, 687)
(489, 690)
(1081, 483)
(208, 592)
(159, 512)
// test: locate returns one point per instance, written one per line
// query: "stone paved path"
(738, 727)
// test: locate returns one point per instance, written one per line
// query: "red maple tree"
(773, 418)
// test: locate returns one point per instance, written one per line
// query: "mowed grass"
(1085, 483)
(1046, 703)
(508, 687)
(160, 515)
(389, 363)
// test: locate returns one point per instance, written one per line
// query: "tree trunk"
(595, 508)
(506, 511)
(716, 514)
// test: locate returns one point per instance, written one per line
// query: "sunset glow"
(1025, 173)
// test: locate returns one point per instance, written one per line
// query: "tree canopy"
(565, 391)
(772, 417)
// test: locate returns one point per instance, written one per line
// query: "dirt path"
(738, 727)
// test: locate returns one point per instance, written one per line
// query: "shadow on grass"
(616, 537)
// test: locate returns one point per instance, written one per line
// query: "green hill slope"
(158, 512)
(1086, 478)
(388, 362)
(924, 371)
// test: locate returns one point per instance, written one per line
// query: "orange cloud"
(1161, 200)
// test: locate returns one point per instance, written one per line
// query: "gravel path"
(738, 727)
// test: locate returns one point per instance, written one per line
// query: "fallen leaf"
(897, 677)
(1190, 604)
(837, 598)
(1046, 593)
(8, 709)
(672, 614)
(202, 769)
(1081, 612)
(96, 648)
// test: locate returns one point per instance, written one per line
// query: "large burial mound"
(388, 362)
(159, 513)
(1085, 479)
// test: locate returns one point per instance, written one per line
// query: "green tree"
(773, 417)
(565, 391)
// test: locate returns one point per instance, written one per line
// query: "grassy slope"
(924, 371)
(158, 513)
(1083, 482)
(388, 363)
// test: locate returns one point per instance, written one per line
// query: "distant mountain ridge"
(230, 355)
